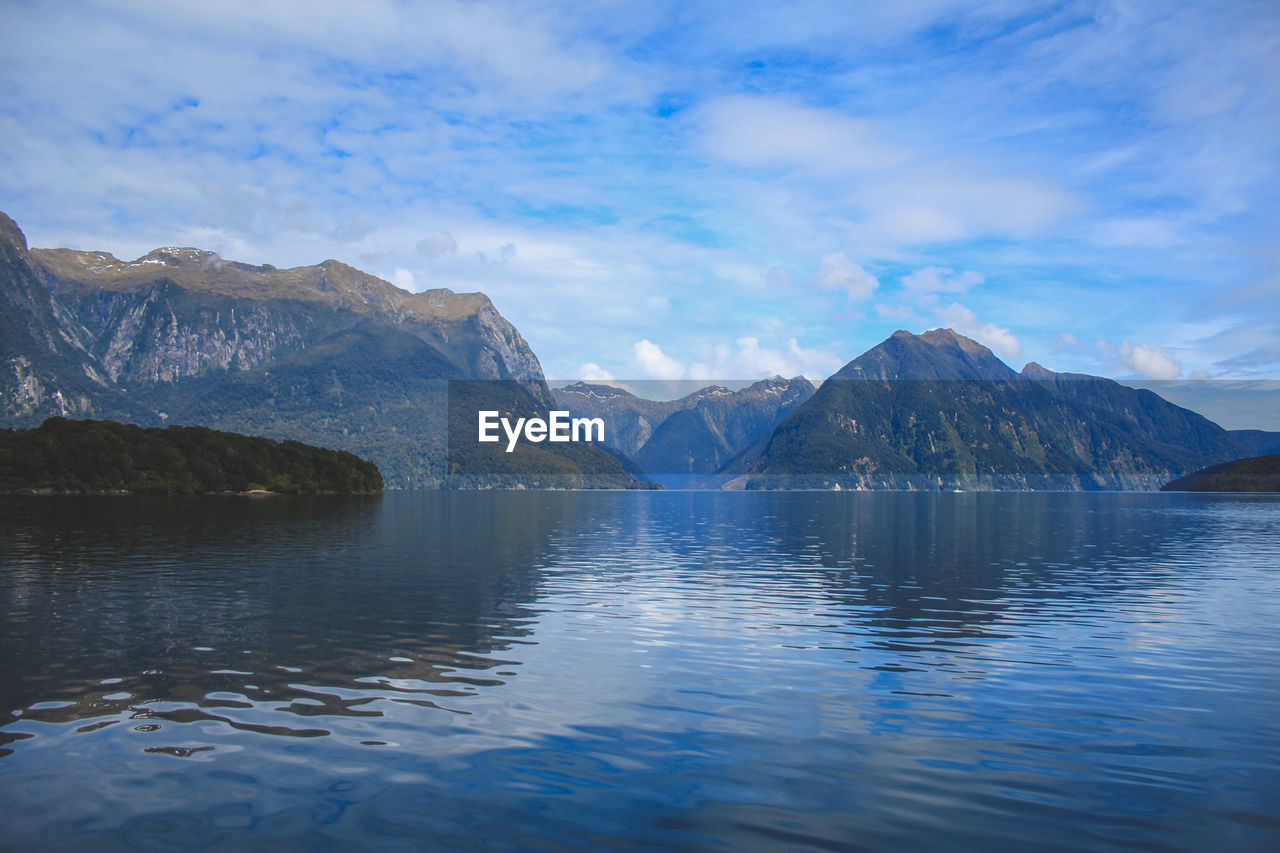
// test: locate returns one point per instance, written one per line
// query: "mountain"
(44, 368)
(1255, 474)
(700, 438)
(939, 410)
(528, 464)
(1258, 442)
(629, 420)
(178, 312)
(324, 354)
(695, 434)
(938, 354)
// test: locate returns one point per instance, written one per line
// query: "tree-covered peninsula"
(1255, 474)
(70, 456)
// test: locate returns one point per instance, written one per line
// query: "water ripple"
(878, 671)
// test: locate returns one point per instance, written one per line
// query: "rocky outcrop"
(45, 368)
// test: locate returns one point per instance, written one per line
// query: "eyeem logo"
(558, 427)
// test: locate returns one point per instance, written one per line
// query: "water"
(792, 671)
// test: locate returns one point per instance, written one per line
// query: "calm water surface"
(555, 671)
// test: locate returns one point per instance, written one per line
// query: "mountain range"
(939, 410)
(696, 434)
(324, 354)
(332, 356)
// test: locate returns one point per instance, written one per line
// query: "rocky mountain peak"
(593, 390)
(776, 385)
(182, 256)
(936, 354)
(11, 234)
(1034, 370)
(951, 338)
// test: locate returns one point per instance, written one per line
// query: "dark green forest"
(64, 455)
(1255, 474)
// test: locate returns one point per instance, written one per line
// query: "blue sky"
(693, 189)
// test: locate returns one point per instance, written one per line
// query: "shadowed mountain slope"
(939, 410)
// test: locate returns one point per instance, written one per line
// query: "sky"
(693, 190)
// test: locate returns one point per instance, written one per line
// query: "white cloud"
(437, 244)
(899, 194)
(944, 200)
(745, 359)
(1067, 341)
(839, 273)
(1254, 348)
(1146, 232)
(592, 372)
(1140, 142)
(751, 361)
(898, 312)
(776, 133)
(941, 280)
(778, 277)
(1151, 361)
(964, 321)
(403, 279)
(650, 362)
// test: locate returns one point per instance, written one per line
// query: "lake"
(614, 670)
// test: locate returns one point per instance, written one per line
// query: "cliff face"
(324, 353)
(45, 368)
(173, 313)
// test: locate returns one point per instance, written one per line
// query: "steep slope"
(377, 392)
(936, 354)
(325, 354)
(719, 425)
(176, 306)
(1258, 442)
(941, 411)
(629, 420)
(45, 368)
(1164, 428)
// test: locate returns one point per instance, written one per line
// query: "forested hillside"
(64, 455)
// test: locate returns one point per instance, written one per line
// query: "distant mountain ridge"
(701, 438)
(629, 420)
(1257, 441)
(695, 434)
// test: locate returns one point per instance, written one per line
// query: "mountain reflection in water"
(688, 670)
